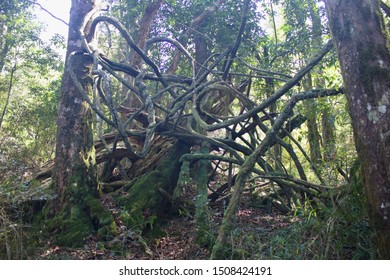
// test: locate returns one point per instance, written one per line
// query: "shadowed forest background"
(240, 129)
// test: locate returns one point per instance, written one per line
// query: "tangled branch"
(193, 108)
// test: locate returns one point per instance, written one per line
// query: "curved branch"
(87, 30)
(278, 94)
(126, 35)
(268, 72)
(199, 156)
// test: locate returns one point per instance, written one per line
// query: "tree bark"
(74, 146)
(143, 32)
(76, 209)
(359, 35)
(9, 91)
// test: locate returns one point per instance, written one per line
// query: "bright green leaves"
(28, 100)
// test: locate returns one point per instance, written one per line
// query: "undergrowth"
(333, 237)
(339, 231)
(13, 235)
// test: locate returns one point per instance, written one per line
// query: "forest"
(202, 129)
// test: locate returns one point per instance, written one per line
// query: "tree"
(361, 41)
(14, 20)
(29, 86)
(306, 38)
(76, 211)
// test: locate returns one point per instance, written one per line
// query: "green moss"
(74, 223)
(202, 215)
(89, 157)
(220, 251)
(142, 198)
(81, 216)
(183, 180)
(144, 203)
(71, 230)
(101, 218)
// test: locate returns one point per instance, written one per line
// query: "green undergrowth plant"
(339, 231)
(13, 232)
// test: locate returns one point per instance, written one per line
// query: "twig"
(48, 12)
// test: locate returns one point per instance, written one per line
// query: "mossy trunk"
(202, 215)
(361, 40)
(76, 212)
(221, 247)
(149, 196)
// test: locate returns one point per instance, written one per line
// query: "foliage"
(28, 125)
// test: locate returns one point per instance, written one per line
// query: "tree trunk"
(129, 98)
(312, 128)
(276, 152)
(328, 135)
(184, 38)
(202, 215)
(76, 211)
(143, 32)
(3, 52)
(10, 85)
(360, 38)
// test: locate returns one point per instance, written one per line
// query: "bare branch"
(48, 12)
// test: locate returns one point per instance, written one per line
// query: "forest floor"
(178, 239)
